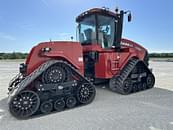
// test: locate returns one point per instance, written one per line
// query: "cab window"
(106, 29)
(87, 30)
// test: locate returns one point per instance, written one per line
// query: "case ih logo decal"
(131, 45)
(126, 44)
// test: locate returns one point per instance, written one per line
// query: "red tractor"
(59, 75)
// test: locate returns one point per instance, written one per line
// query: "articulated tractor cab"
(61, 74)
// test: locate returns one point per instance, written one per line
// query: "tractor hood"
(131, 44)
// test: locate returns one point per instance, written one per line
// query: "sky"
(25, 23)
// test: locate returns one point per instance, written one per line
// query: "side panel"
(69, 51)
(110, 63)
(104, 68)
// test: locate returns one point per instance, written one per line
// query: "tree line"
(19, 55)
(161, 55)
(14, 55)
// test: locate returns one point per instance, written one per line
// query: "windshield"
(100, 31)
(87, 30)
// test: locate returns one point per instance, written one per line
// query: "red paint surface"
(68, 51)
(110, 62)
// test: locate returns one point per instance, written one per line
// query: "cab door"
(108, 61)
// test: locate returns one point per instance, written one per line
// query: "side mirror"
(129, 17)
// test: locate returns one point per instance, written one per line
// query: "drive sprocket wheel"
(55, 74)
(86, 93)
(59, 105)
(25, 104)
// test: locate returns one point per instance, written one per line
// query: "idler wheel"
(25, 104)
(150, 81)
(86, 93)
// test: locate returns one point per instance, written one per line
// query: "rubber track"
(35, 74)
(125, 72)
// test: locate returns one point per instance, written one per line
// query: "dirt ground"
(148, 110)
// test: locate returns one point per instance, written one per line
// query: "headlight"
(22, 68)
(46, 49)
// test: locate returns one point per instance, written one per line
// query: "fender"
(61, 55)
(71, 52)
